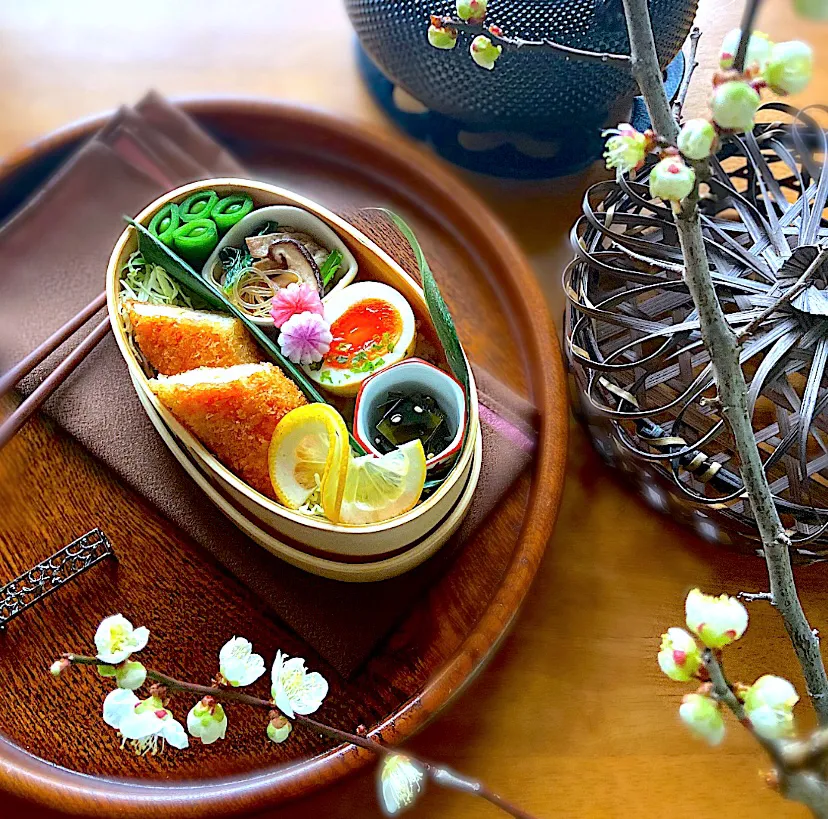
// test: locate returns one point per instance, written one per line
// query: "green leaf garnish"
(443, 322)
(156, 252)
(437, 307)
(330, 267)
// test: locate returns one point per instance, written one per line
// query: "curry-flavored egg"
(372, 326)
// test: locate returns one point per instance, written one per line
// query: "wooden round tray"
(55, 748)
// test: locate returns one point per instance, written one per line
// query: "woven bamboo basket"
(642, 377)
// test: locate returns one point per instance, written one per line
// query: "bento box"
(233, 400)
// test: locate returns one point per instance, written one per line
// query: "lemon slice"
(377, 489)
(309, 453)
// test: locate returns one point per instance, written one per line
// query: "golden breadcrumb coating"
(176, 339)
(233, 411)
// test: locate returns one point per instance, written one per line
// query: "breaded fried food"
(176, 339)
(233, 411)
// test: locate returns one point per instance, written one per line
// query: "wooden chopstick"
(13, 377)
(31, 404)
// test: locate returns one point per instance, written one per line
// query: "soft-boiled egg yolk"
(372, 326)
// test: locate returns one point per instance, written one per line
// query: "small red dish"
(412, 374)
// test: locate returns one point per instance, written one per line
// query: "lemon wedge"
(309, 453)
(377, 489)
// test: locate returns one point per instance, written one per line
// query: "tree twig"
(722, 345)
(545, 44)
(795, 782)
(724, 694)
(786, 298)
(647, 71)
(753, 597)
(746, 26)
(440, 774)
(692, 65)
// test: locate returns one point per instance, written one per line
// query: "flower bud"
(278, 729)
(625, 149)
(130, 675)
(716, 621)
(484, 52)
(769, 704)
(207, 721)
(472, 10)
(758, 50)
(813, 9)
(679, 657)
(789, 68)
(58, 667)
(697, 139)
(734, 106)
(702, 716)
(440, 37)
(671, 180)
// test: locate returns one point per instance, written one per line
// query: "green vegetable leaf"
(437, 307)
(330, 267)
(156, 252)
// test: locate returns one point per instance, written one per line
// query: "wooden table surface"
(572, 718)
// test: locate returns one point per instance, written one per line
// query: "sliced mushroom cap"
(259, 245)
(292, 256)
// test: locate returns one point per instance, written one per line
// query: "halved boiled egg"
(372, 326)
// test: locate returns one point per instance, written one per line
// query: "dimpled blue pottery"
(535, 115)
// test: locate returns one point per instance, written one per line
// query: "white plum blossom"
(769, 704)
(116, 639)
(716, 621)
(441, 37)
(484, 52)
(789, 68)
(278, 729)
(671, 180)
(626, 148)
(207, 721)
(734, 105)
(679, 657)
(294, 690)
(471, 10)
(815, 9)
(142, 723)
(702, 716)
(130, 675)
(400, 783)
(697, 139)
(237, 663)
(58, 667)
(758, 50)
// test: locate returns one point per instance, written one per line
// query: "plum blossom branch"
(734, 100)
(398, 763)
(723, 692)
(519, 44)
(786, 298)
(692, 65)
(748, 19)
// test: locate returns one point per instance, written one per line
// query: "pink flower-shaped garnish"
(293, 300)
(305, 338)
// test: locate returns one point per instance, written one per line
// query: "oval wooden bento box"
(281, 530)
(164, 580)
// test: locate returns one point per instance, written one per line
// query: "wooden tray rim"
(65, 790)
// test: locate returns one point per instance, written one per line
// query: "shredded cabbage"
(150, 283)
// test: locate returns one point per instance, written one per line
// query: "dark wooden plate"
(56, 749)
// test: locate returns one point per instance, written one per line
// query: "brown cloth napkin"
(76, 218)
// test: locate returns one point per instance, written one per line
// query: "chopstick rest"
(50, 574)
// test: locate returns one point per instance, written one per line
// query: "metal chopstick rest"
(52, 573)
